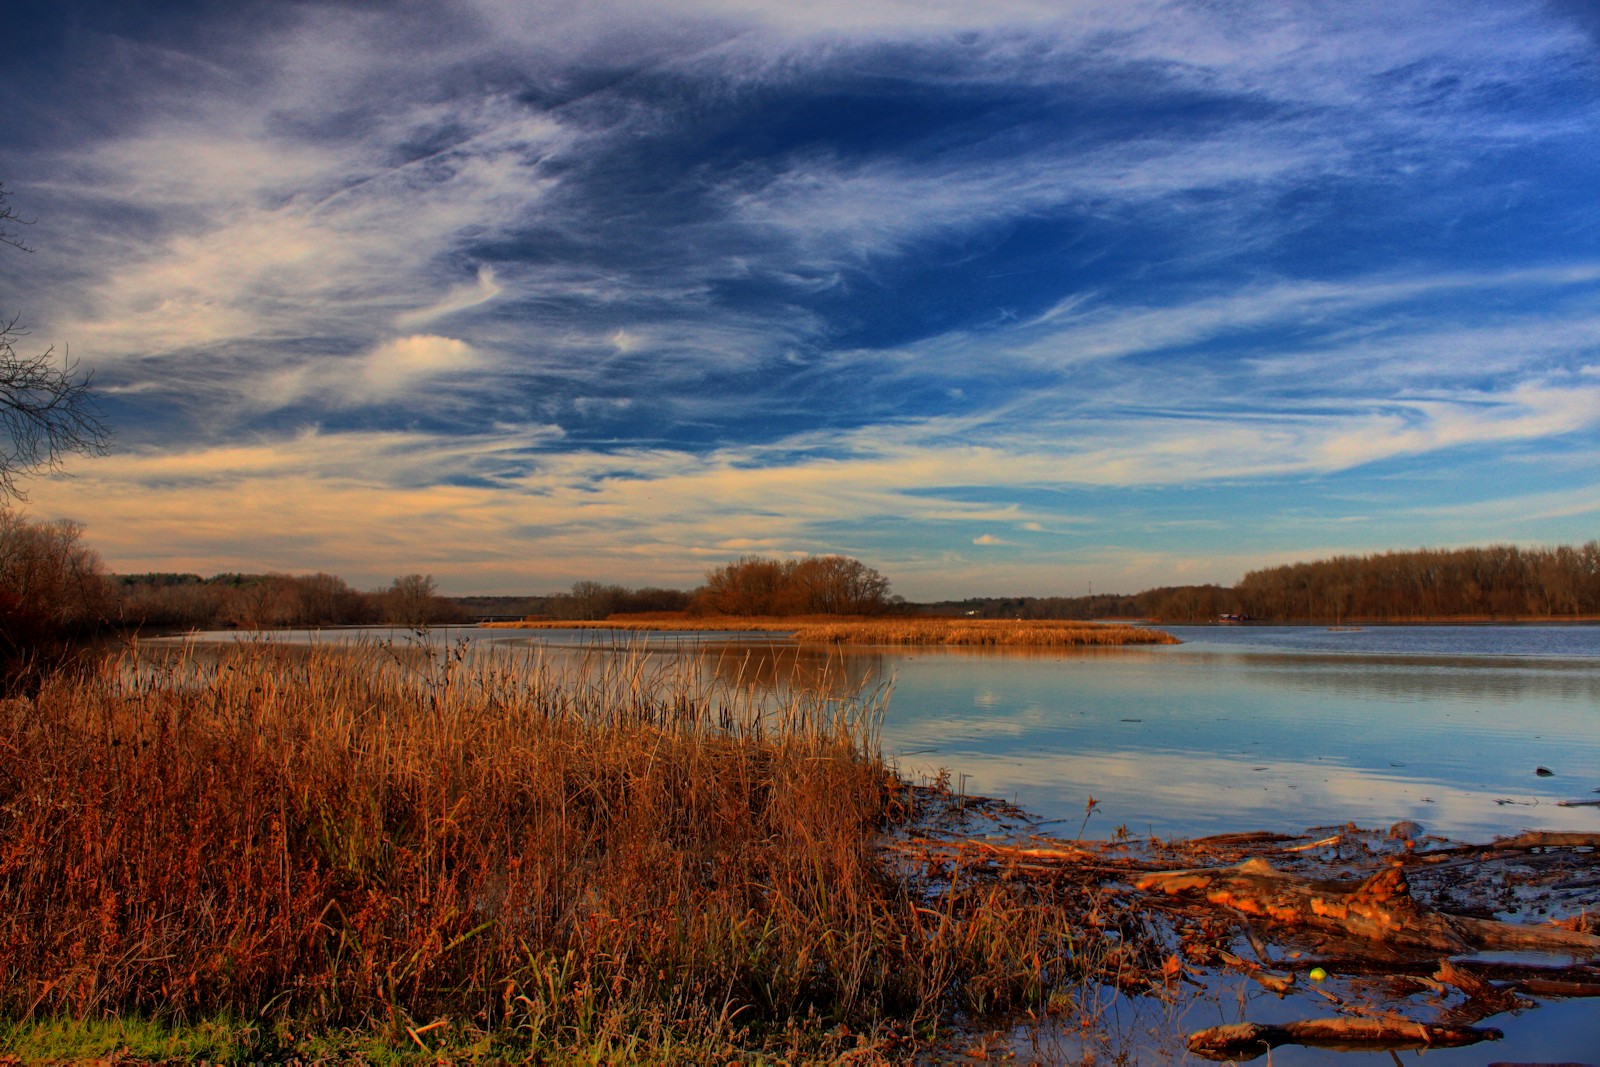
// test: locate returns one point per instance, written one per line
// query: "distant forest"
(255, 601)
(749, 586)
(1500, 581)
(52, 586)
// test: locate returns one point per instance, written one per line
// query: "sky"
(1020, 297)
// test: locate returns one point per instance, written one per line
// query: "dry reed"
(981, 632)
(402, 838)
(995, 633)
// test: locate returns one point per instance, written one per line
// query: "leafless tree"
(414, 600)
(815, 585)
(46, 408)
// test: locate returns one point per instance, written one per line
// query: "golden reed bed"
(812, 630)
(485, 857)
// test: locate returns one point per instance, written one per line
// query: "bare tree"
(815, 585)
(46, 408)
(414, 600)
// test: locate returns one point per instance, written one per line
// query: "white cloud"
(300, 241)
(361, 501)
(459, 298)
(266, 239)
(398, 367)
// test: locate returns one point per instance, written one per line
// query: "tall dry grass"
(981, 632)
(667, 621)
(324, 838)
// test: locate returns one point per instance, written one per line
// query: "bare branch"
(47, 410)
(8, 215)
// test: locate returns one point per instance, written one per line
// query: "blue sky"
(1000, 298)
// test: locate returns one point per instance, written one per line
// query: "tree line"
(55, 593)
(259, 601)
(1180, 603)
(1499, 580)
(748, 586)
(1489, 582)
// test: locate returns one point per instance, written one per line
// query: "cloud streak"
(995, 292)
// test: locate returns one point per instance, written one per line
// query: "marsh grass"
(981, 632)
(447, 849)
(896, 630)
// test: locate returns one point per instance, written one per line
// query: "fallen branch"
(1531, 840)
(1380, 909)
(1280, 984)
(1418, 921)
(1246, 1041)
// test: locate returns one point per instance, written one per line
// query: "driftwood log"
(1380, 909)
(1246, 1041)
(1322, 914)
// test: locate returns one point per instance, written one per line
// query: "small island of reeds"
(894, 630)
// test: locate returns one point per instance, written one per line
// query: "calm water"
(1272, 728)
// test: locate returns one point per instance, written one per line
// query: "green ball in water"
(1318, 974)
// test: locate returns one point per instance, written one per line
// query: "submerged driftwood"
(1380, 909)
(1246, 1041)
(1379, 925)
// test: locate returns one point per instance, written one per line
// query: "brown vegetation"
(979, 632)
(899, 630)
(411, 839)
(52, 592)
(815, 585)
(662, 620)
(1426, 585)
(263, 601)
(1501, 580)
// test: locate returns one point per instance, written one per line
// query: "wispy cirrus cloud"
(646, 284)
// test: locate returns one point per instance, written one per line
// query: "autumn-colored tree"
(748, 586)
(261, 603)
(52, 589)
(815, 585)
(834, 585)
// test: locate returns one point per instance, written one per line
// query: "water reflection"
(1181, 741)
(1149, 1030)
(772, 667)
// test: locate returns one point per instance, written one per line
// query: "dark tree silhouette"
(46, 408)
